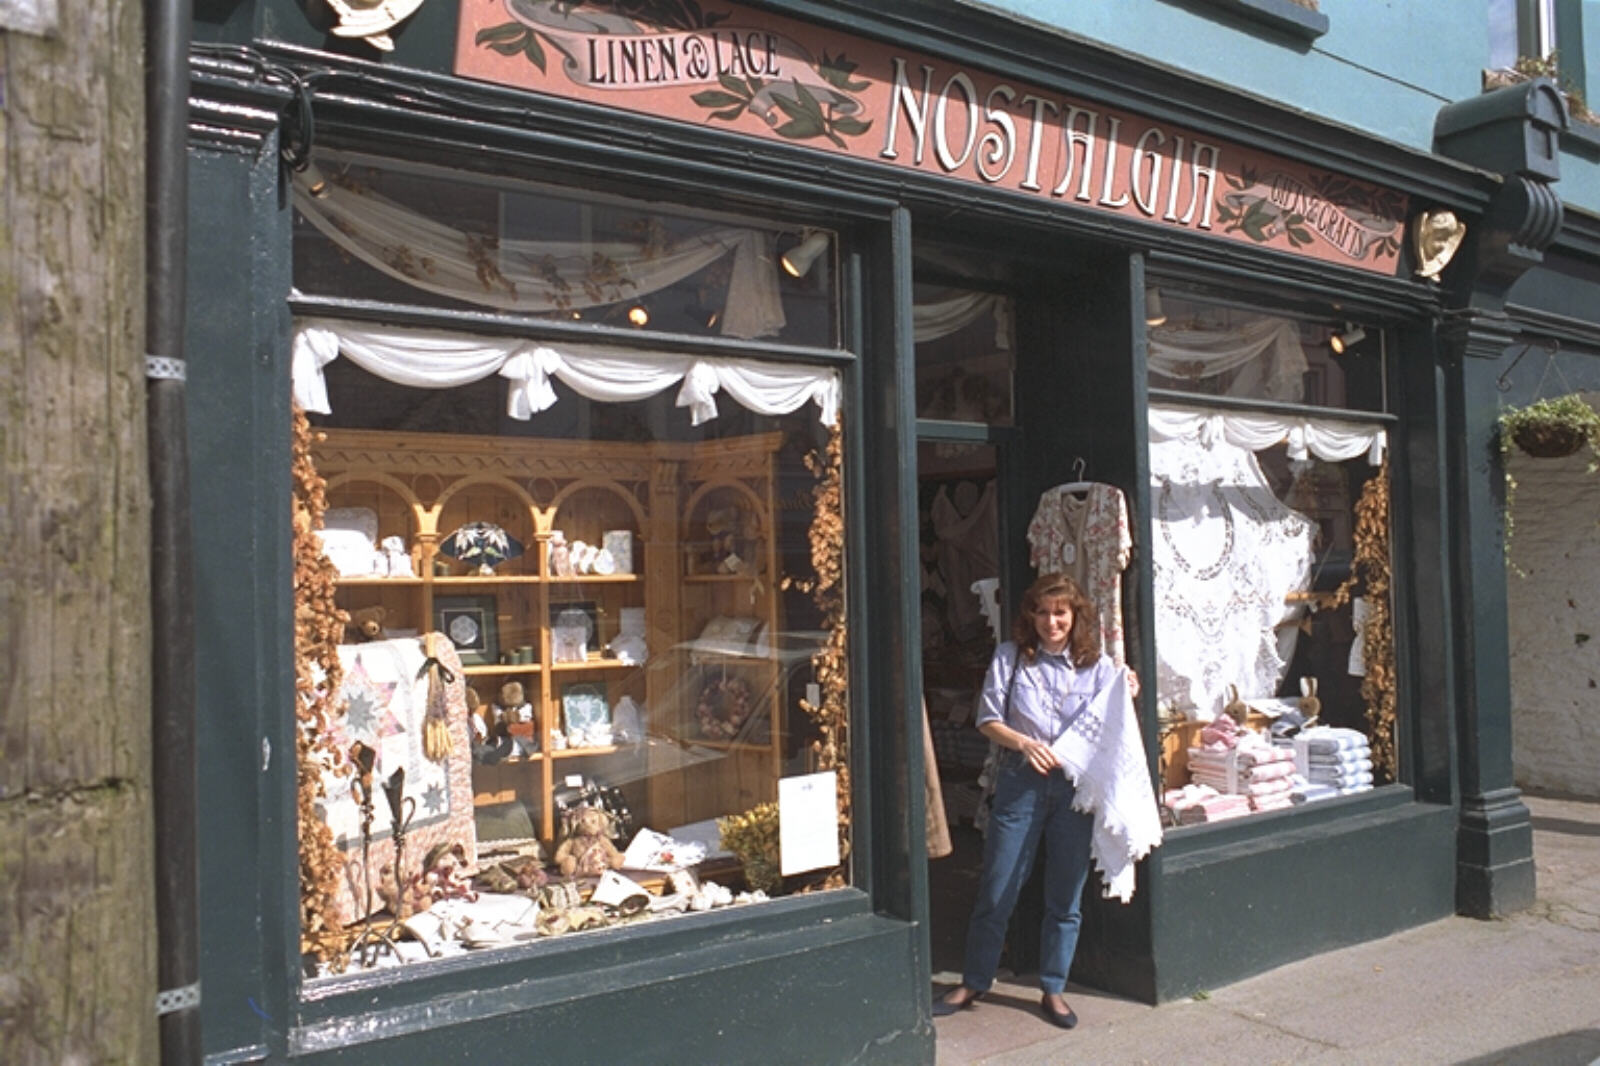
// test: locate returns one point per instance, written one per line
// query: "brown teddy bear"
(588, 850)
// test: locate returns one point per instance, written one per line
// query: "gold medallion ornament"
(372, 19)
(1435, 236)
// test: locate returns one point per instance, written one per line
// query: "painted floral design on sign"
(625, 44)
(763, 75)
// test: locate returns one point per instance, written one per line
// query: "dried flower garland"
(831, 663)
(318, 627)
(1371, 567)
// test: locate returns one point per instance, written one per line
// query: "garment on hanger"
(934, 820)
(1081, 530)
(1225, 553)
(969, 549)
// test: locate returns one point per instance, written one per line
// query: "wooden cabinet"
(703, 578)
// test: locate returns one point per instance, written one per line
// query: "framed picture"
(584, 710)
(584, 613)
(469, 622)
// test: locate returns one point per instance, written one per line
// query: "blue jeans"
(1029, 806)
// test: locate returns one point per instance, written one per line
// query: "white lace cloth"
(1103, 753)
(1225, 555)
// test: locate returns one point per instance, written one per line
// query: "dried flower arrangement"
(753, 839)
(318, 628)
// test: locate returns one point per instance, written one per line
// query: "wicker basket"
(1550, 440)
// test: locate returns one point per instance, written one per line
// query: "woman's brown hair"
(1083, 640)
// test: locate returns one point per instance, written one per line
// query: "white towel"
(1103, 753)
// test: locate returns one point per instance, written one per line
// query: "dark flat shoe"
(1060, 1019)
(942, 1008)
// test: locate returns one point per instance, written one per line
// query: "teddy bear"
(366, 623)
(587, 851)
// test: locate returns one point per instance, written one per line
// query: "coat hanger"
(1078, 484)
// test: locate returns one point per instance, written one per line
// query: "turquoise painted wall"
(1384, 67)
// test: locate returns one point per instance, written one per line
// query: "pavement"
(1522, 990)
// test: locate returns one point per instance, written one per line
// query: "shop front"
(672, 401)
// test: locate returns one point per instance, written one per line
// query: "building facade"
(656, 386)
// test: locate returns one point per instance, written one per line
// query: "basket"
(1550, 440)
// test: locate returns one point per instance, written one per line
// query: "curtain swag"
(1324, 438)
(533, 275)
(440, 360)
(1197, 352)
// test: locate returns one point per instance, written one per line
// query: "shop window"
(570, 631)
(1270, 549)
(965, 355)
(378, 229)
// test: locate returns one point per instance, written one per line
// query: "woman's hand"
(1039, 755)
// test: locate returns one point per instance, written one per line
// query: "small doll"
(560, 555)
(588, 850)
(396, 560)
(514, 708)
(444, 873)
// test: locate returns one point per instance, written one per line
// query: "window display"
(1271, 562)
(600, 595)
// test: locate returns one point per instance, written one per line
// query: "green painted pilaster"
(1494, 839)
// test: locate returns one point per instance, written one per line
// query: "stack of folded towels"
(1251, 767)
(1333, 761)
(1197, 804)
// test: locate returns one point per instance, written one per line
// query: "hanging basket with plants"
(1553, 428)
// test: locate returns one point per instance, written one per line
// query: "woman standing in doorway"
(1038, 683)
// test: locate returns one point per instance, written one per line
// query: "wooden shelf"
(596, 579)
(571, 753)
(489, 579)
(424, 484)
(370, 582)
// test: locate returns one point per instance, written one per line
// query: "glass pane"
(1211, 349)
(1274, 639)
(379, 229)
(643, 623)
(965, 355)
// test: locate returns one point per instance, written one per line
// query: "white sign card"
(808, 822)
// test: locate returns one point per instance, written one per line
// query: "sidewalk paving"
(1523, 990)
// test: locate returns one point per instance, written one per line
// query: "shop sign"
(767, 76)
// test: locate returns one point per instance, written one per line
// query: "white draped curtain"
(434, 359)
(933, 319)
(535, 275)
(1305, 436)
(1265, 351)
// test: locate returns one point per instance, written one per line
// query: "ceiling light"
(1343, 342)
(1153, 314)
(797, 260)
(639, 316)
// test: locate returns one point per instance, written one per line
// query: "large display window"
(570, 613)
(1271, 557)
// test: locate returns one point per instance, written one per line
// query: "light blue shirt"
(1049, 691)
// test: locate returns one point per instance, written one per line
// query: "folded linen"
(1271, 803)
(1339, 781)
(1348, 789)
(1332, 739)
(1309, 792)
(1339, 766)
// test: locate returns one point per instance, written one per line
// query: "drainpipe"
(168, 27)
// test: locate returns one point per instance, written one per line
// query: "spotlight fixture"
(1153, 314)
(797, 260)
(1343, 342)
(639, 316)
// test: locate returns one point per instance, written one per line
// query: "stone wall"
(1553, 608)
